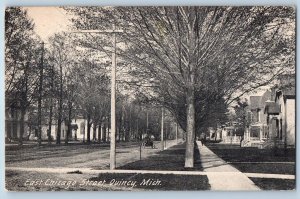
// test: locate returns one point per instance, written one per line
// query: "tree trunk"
(190, 134)
(58, 127)
(123, 123)
(190, 94)
(130, 124)
(75, 136)
(104, 132)
(22, 124)
(24, 103)
(69, 123)
(108, 133)
(94, 132)
(119, 129)
(126, 131)
(40, 98)
(50, 122)
(88, 139)
(99, 132)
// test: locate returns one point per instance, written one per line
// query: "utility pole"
(137, 127)
(113, 92)
(162, 129)
(113, 107)
(40, 97)
(51, 105)
(166, 134)
(130, 123)
(60, 102)
(176, 133)
(147, 123)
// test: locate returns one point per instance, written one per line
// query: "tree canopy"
(191, 58)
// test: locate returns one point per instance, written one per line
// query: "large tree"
(61, 50)
(22, 58)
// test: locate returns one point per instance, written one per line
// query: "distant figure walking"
(203, 138)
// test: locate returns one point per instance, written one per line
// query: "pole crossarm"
(98, 31)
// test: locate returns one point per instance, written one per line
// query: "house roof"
(288, 90)
(255, 102)
(287, 85)
(265, 97)
(272, 108)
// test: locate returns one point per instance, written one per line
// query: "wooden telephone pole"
(162, 129)
(113, 92)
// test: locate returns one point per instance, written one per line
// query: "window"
(254, 132)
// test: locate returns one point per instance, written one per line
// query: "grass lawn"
(273, 168)
(254, 160)
(169, 159)
(274, 184)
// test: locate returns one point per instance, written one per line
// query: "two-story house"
(281, 112)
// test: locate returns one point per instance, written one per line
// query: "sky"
(48, 20)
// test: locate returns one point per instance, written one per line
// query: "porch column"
(260, 133)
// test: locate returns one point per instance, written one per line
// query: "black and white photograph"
(150, 98)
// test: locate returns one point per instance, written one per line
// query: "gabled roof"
(265, 97)
(255, 102)
(258, 102)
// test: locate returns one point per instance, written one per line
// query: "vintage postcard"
(150, 98)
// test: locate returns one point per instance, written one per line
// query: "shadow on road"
(171, 159)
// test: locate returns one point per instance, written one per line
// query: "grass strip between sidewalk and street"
(274, 184)
(171, 159)
(255, 161)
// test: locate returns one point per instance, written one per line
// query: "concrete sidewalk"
(222, 176)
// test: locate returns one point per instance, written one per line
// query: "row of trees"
(194, 59)
(53, 83)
